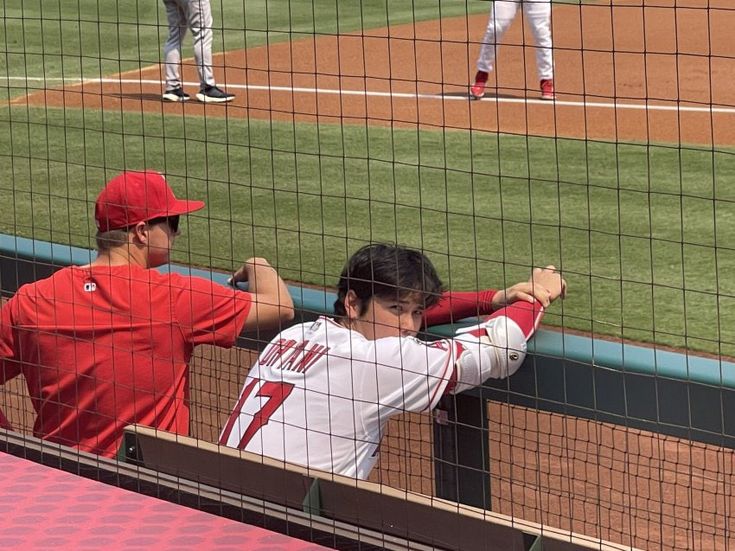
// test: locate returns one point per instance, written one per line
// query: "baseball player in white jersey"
(322, 392)
(196, 15)
(502, 12)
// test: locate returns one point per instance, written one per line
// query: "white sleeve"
(405, 374)
(493, 349)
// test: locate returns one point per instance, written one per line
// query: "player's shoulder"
(174, 281)
(400, 342)
(322, 328)
(390, 350)
(330, 333)
(59, 280)
(172, 278)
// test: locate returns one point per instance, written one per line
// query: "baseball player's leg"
(177, 23)
(502, 13)
(538, 13)
(200, 24)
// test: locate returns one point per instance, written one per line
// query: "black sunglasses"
(172, 221)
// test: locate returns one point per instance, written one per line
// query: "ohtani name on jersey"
(292, 355)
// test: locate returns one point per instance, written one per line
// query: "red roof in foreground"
(45, 508)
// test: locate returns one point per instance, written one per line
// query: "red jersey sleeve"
(456, 305)
(8, 369)
(210, 313)
(526, 314)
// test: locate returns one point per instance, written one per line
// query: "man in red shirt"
(108, 344)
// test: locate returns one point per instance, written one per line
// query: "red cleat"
(547, 89)
(477, 91)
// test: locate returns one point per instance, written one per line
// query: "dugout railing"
(400, 515)
(666, 392)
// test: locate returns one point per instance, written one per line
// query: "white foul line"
(402, 95)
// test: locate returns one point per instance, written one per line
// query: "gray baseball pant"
(195, 15)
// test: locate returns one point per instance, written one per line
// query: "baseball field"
(346, 131)
(352, 123)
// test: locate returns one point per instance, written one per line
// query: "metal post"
(462, 451)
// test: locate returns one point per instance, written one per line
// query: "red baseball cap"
(133, 197)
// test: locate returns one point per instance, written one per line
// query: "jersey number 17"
(275, 392)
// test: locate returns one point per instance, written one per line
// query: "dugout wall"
(633, 386)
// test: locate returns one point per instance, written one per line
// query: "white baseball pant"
(502, 12)
(195, 15)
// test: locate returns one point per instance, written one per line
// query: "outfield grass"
(645, 234)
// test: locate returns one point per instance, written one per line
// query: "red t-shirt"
(104, 347)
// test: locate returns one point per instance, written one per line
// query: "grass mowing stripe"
(645, 234)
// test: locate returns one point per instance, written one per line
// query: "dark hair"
(387, 271)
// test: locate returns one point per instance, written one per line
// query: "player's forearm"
(457, 305)
(272, 302)
(527, 315)
(263, 278)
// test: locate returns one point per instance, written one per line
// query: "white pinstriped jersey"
(320, 394)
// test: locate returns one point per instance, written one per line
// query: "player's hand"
(548, 285)
(545, 285)
(520, 291)
(246, 271)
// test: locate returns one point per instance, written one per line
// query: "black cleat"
(212, 94)
(176, 95)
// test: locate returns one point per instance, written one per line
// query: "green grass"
(645, 234)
